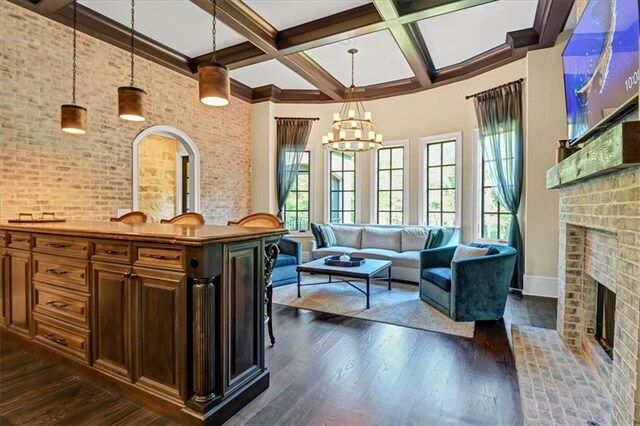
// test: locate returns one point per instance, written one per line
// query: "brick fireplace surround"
(600, 241)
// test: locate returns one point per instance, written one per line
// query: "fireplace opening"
(605, 318)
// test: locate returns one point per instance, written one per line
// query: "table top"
(369, 268)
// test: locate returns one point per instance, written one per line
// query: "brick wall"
(157, 177)
(600, 240)
(89, 176)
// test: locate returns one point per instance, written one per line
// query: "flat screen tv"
(601, 63)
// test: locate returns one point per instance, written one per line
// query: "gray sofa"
(399, 244)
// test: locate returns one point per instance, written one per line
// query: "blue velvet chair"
(472, 289)
(289, 258)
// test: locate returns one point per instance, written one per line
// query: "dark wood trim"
(551, 17)
(53, 6)
(413, 11)
(238, 56)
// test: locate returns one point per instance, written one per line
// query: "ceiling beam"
(52, 6)
(237, 56)
(413, 11)
(550, 19)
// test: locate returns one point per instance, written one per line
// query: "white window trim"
(404, 143)
(327, 187)
(422, 176)
(179, 156)
(476, 152)
(312, 172)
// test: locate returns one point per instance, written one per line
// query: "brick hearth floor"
(556, 384)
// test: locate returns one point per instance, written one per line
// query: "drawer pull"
(161, 257)
(21, 240)
(55, 272)
(54, 338)
(54, 245)
(56, 304)
(112, 252)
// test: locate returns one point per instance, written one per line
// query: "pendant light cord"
(213, 30)
(73, 72)
(353, 57)
(133, 4)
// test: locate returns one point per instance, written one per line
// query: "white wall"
(439, 111)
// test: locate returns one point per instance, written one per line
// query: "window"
(495, 221)
(390, 177)
(440, 182)
(342, 187)
(296, 208)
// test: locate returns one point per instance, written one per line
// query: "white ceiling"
(283, 14)
(378, 60)
(455, 37)
(270, 72)
(178, 24)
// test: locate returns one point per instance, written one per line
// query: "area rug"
(556, 384)
(400, 306)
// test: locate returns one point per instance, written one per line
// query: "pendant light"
(213, 77)
(73, 118)
(132, 101)
(352, 126)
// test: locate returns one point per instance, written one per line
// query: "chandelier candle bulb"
(372, 135)
(343, 135)
(347, 146)
(379, 138)
(325, 139)
(367, 116)
(352, 114)
(330, 137)
(360, 146)
(354, 124)
(358, 134)
(336, 117)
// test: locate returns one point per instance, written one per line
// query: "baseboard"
(540, 286)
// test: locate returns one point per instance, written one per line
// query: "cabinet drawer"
(62, 304)
(61, 271)
(160, 257)
(20, 240)
(74, 247)
(112, 251)
(3, 239)
(62, 337)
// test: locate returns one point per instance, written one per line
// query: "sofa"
(399, 244)
(471, 289)
(289, 257)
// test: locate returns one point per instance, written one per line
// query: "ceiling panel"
(378, 60)
(270, 72)
(283, 14)
(457, 36)
(178, 24)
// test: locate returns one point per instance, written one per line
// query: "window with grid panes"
(296, 208)
(440, 165)
(495, 219)
(390, 184)
(342, 187)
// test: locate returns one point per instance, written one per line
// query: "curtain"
(499, 113)
(292, 137)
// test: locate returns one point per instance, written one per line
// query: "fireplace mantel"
(615, 149)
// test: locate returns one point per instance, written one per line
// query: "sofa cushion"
(383, 238)
(407, 259)
(315, 230)
(348, 236)
(285, 259)
(332, 251)
(414, 238)
(438, 276)
(328, 237)
(375, 253)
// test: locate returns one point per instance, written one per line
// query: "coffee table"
(364, 272)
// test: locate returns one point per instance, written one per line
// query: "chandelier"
(352, 127)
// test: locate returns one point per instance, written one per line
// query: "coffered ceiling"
(296, 51)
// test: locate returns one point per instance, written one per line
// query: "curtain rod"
(297, 118)
(520, 80)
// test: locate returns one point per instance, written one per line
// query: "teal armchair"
(473, 289)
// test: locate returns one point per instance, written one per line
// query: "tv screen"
(601, 63)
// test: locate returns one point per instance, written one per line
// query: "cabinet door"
(4, 282)
(242, 306)
(19, 291)
(112, 295)
(161, 332)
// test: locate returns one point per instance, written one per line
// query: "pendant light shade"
(132, 101)
(213, 77)
(214, 84)
(73, 118)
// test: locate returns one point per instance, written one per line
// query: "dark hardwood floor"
(325, 369)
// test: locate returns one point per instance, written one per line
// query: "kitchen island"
(171, 316)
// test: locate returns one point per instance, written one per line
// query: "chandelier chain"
(353, 57)
(73, 72)
(133, 22)
(213, 30)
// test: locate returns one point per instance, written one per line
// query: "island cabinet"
(171, 316)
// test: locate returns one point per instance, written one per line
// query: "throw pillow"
(492, 250)
(466, 252)
(414, 239)
(435, 237)
(328, 236)
(315, 230)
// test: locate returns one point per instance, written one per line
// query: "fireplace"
(605, 318)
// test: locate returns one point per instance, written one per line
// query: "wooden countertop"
(150, 232)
